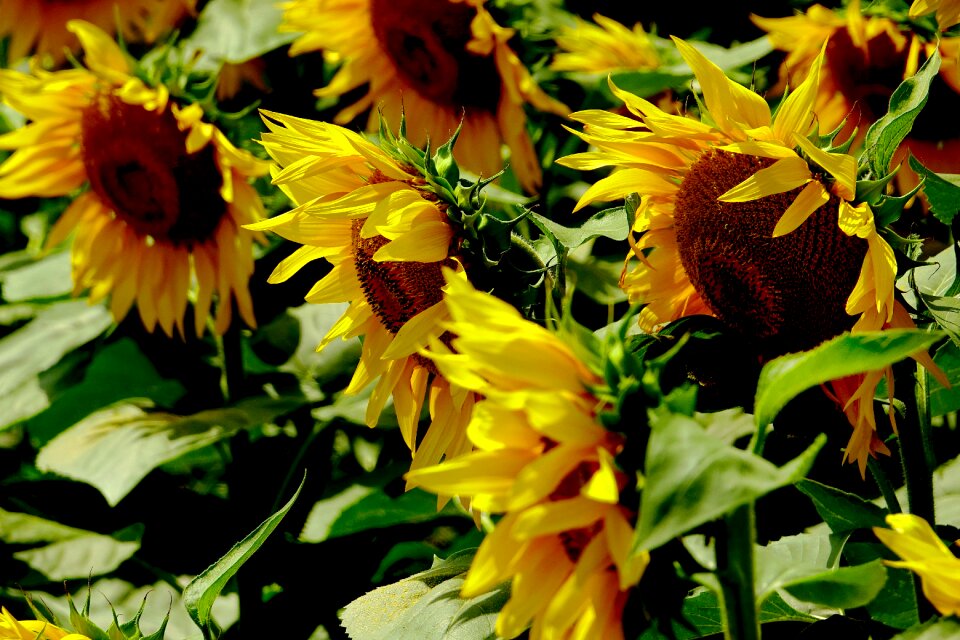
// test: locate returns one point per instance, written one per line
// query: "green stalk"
(231, 355)
(735, 571)
(886, 487)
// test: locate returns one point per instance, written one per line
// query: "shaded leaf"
(238, 30)
(692, 478)
(785, 377)
(843, 588)
(843, 512)
(199, 596)
(598, 279)
(942, 629)
(609, 223)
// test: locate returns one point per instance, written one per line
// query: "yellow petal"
(841, 166)
(417, 332)
(795, 114)
(810, 199)
(428, 242)
(782, 175)
(103, 55)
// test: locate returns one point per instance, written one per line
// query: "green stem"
(915, 455)
(232, 359)
(735, 571)
(294, 467)
(885, 486)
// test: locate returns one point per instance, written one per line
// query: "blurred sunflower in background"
(162, 194)
(745, 218)
(868, 55)
(544, 461)
(438, 62)
(603, 46)
(41, 26)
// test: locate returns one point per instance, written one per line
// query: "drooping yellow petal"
(842, 166)
(810, 199)
(782, 175)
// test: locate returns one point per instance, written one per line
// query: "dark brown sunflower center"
(787, 293)
(868, 77)
(426, 40)
(138, 165)
(396, 291)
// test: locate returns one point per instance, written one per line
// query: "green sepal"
(81, 623)
(888, 209)
(870, 191)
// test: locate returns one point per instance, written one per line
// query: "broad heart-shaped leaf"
(117, 372)
(39, 346)
(64, 552)
(426, 606)
(942, 629)
(692, 478)
(943, 400)
(843, 588)
(703, 612)
(785, 377)
(843, 512)
(609, 223)
(597, 278)
(361, 507)
(113, 449)
(946, 312)
(896, 604)
(942, 191)
(886, 134)
(202, 592)
(238, 30)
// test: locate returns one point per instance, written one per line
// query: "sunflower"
(387, 234)
(744, 218)
(544, 461)
(162, 194)
(13, 629)
(603, 47)
(948, 11)
(922, 552)
(41, 25)
(440, 62)
(867, 57)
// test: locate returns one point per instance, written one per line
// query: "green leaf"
(238, 30)
(942, 399)
(886, 134)
(40, 345)
(119, 372)
(48, 277)
(426, 606)
(200, 595)
(692, 478)
(597, 278)
(785, 377)
(360, 508)
(942, 629)
(609, 223)
(843, 512)
(63, 552)
(843, 588)
(113, 449)
(942, 191)
(896, 604)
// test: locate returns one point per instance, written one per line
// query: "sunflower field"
(479, 320)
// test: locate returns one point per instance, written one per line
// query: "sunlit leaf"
(48, 277)
(238, 30)
(942, 629)
(609, 223)
(200, 595)
(60, 552)
(942, 191)
(426, 606)
(113, 449)
(785, 377)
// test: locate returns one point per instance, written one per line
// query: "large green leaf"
(692, 478)
(942, 629)
(119, 372)
(60, 552)
(597, 278)
(361, 507)
(784, 378)
(886, 134)
(609, 223)
(40, 345)
(113, 449)
(942, 191)
(200, 595)
(843, 512)
(895, 605)
(426, 606)
(48, 277)
(238, 30)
